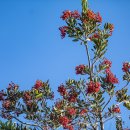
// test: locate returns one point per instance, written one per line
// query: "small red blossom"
(110, 78)
(64, 121)
(93, 87)
(70, 14)
(75, 14)
(63, 30)
(107, 63)
(116, 109)
(38, 84)
(69, 127)
(98, 17)
(62, 90)
(2, 94)
(29, 104)
(83, 111)
(91, 15)
(12, 86)
(73, 97)
(94, 36)
(6, 104)
(59, 104)
(71, 111)
(80, 69)
(27, 96)
(126, 67)
(66, 14)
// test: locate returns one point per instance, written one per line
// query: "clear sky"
(31, 47)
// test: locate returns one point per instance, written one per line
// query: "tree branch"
(101, 121)
(89, 63)
(107, 103)
(108, 119)
(27, 123)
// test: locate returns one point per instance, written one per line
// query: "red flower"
(29, 104)
(80, 69)
(59, 104)
(91, 15)
(2, 94)
(27, 96)
(95, 36)
(70, 14)
(62, 90)
(64, 121)
(107, 63)
(71, 111)
(13, 86)
(6, 104)
(38, 84)
(73, 97)
(63, 30)
(116, 109)
(75, 14)
(95, 17)
(93, 87)
(126, 66)
(83, 111)
(69, 127)
(110, 78)
(98, 17)
(66, 15)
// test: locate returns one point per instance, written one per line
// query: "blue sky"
(31, 47)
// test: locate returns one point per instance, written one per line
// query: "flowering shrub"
(84, 104)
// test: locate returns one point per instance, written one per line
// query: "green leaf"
(39, 95)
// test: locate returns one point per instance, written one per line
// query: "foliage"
(9, 125)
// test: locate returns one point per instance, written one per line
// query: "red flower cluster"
(107, 63)
(110, 78)
(27, 96)
(59, 104)
(63, 30)
(69, 127)
(92, 16)
(38, 84)
(2, 94)
(83, 111)
(12, 86)
(98, 17)
(6, 104)
(70, 14)
(64, 121)
(116, 109)
(94, 36)
(62, 90)
(80, 69)
(73, 97)
(126, 66)
(29, 104)
(75, 14)
(71, 111)
(93, 87)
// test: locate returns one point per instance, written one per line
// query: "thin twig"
(126, 85)
(90, 122)
(27, 123)
(88, 56)
(107, 103)
(108, 119)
